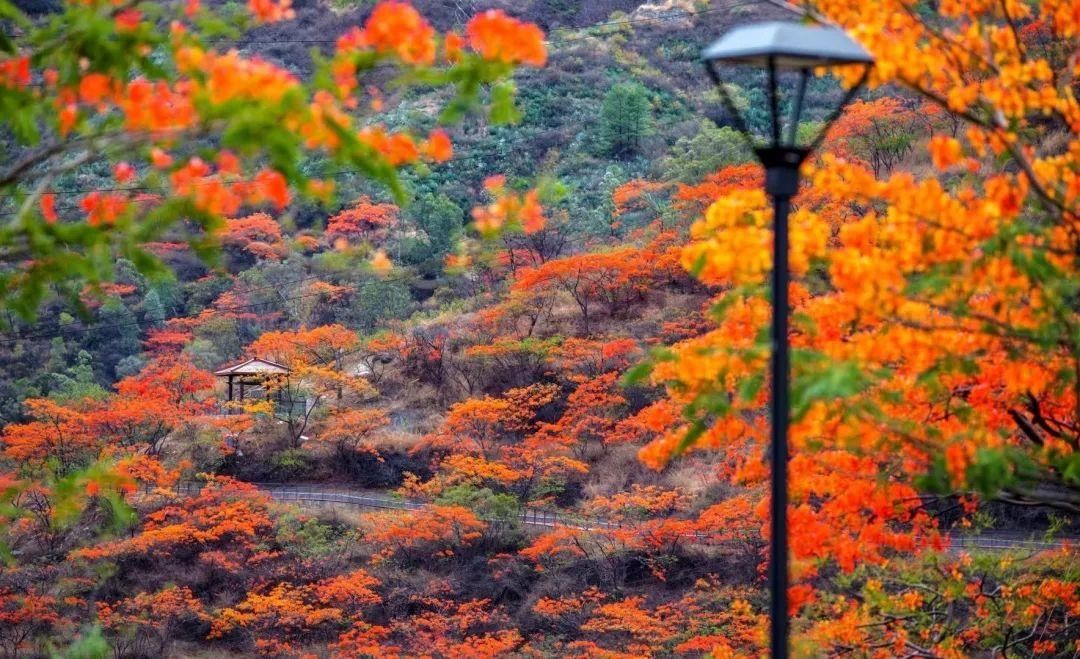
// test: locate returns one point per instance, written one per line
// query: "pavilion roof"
(254, 366)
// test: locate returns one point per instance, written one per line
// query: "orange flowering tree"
(934, 316)
(351, 433)
(284, 614)
(85, 455)
(879, 133)
(221, 526)
(146, 623)
(419, 535)
(617, 279)
(480, 425)
(107, 86)
(590, 416)
(25, 615)
(436, 625)
(591, 357)
(365, 220)
(259, 235)
(316, 359)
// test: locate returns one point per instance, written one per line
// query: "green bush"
(486, 503)
(290, 463)
(307, 537)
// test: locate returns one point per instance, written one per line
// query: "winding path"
(543, 518)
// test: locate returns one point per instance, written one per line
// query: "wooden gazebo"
(251, 373)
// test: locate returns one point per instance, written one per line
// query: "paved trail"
(543, 518)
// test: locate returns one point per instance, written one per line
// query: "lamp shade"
(788, 45)
(786, 53)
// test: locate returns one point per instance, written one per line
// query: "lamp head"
(784, 50)
(791, 46)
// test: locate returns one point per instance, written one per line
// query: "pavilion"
(251, 373)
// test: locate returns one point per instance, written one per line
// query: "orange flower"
(488, 220)
(395, 27)
(397, 148)
(160, 158)
(945, 151)
(48, 207)
(155, 106)
(102, 208)
(343, 70)
(94, 87)
(452, 47)
(232, 76)
(15, 72)
(381, 264)
(497, 36)
(228, 163)
(67, 118)
(128, 20)
(123, 172)
(532, 214)
(271, 186)
(268, 11)
(438, 146)
(508, 209)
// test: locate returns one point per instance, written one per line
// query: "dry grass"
(617, 471)
(693, 476)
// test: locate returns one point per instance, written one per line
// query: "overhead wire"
(656, 19)
(345, 172)
(150, 189)
(554, 41)
(274, 286)
(135, 323)
(62, 331)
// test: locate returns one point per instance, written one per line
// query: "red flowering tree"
(365, 220)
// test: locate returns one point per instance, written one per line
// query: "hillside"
(556, 307)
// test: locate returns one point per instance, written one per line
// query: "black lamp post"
(788, 50)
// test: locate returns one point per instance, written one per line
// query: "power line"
(233, 281)
(335, 174)
(555, 41)
(135, 323)
(275, 287)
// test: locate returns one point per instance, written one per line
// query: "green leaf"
(834, 381)
(936, 479)
(989, 472)
(749, 387)
(638, 373)
(503, 110)
(89, 645)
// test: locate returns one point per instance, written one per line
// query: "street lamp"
(790, 50)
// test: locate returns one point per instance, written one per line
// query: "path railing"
(546, 518)
(304, 493)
